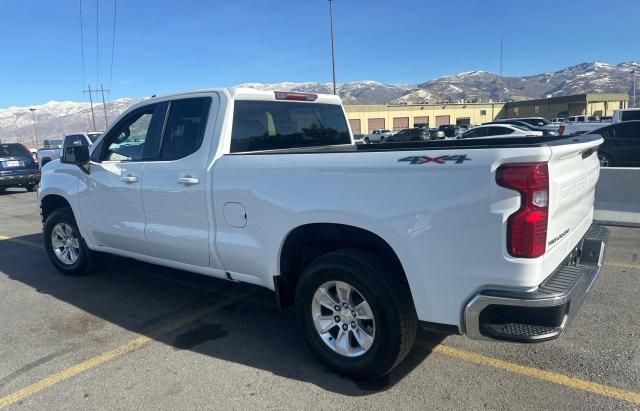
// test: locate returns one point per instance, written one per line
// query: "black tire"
(366, 140)
(86, 257)
(30, 187)
(389, 298)
(605, 160)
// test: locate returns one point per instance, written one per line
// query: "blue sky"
(164, 46)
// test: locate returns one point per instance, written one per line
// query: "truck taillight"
(561, 130)
(527, 227)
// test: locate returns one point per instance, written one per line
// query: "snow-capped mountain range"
(57, 118)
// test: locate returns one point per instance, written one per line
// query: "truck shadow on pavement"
(243, 324)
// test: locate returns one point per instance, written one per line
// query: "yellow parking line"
(19, 241)
(74, 370)
(549, 376)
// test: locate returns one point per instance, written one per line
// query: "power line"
(97, 40)
(113, 41)
(82, 45)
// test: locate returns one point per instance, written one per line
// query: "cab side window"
(184, 130)
(127, 141)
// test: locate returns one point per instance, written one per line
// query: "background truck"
(492, 239)
(377, 135)
(49, 151)
(586, 124)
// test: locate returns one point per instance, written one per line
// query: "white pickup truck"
(378, 135)
(492, 239)
(575, 125)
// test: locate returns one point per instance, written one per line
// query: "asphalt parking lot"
(134, 335)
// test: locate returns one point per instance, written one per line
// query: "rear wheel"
(605, 160)
(65, 247)
(356, 313)
(30, 187)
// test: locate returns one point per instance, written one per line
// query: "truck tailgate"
(573, 173)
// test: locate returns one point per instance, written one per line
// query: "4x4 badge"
(457, 159)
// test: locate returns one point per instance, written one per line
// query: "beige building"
(364, 118)
(589, 104)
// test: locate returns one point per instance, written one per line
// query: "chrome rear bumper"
(544, 313)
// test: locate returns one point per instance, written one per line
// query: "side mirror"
(78, 155)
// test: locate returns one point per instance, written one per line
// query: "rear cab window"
(273, 125)
(631, 115)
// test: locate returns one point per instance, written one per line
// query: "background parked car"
(621, 147)
(410, 134)
(449, 130)
(502, 130)
(523, 124)
(17, 167)
(436, 134)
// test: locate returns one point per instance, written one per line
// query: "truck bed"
(478, 144)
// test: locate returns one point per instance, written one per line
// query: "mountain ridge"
(57, 118)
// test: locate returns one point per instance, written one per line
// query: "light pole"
(333, 54)
(35, 132)
(633, 72)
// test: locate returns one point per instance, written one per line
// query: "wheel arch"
(306, 242)
(52, 202)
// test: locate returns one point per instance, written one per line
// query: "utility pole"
(93, 116)
(104, 106)
(333, 54)
(35, 131)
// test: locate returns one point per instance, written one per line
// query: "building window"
(516, 111)
(483, 112)
(536, 109)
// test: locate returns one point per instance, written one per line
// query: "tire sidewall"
(65, 216)
(380, 358)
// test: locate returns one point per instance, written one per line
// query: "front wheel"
(356, 313)
(65, 247)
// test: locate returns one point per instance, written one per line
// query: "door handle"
(188, 180)
(129, 179)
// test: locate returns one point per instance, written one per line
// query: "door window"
(631, 131)
(185, 127)
(498, 131)
(126, 142)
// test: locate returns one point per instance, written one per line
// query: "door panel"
(110, 195)
(179, 224)
(111, 206)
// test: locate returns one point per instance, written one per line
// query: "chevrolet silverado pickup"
(490, 238)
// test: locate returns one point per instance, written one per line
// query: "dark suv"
(17, 167)
(410, 134)
(621, 147)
